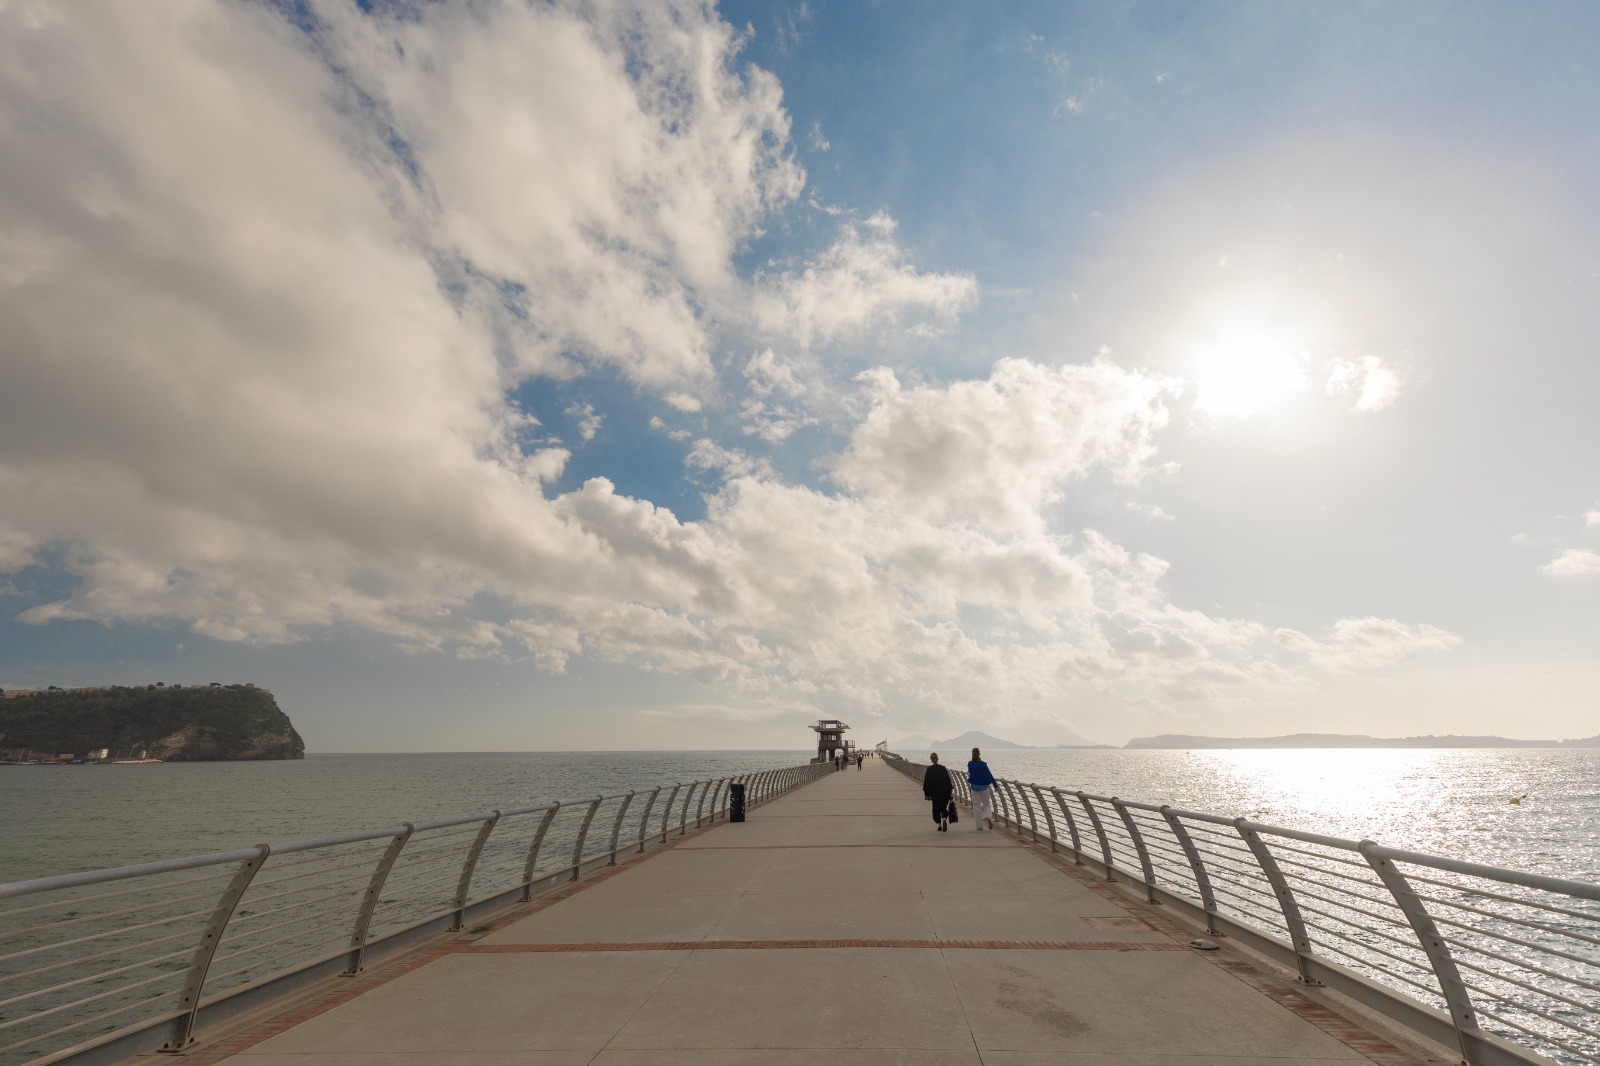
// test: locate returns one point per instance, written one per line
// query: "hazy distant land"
(972, 738)
(975, 739)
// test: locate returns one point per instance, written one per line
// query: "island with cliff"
(166, 723)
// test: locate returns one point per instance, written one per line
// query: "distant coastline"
(1181, 741)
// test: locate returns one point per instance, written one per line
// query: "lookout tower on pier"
(830, 739)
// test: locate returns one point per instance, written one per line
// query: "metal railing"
(1502, 964)
(99, 966)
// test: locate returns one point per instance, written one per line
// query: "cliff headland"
(176, 723)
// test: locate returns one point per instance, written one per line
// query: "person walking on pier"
(937, 787)
(982, 784)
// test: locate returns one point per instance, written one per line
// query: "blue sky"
(506, 376)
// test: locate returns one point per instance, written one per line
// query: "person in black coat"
(937, 787)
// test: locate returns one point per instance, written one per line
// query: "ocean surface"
(1454, 802)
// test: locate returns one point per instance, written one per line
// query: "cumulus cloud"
(1367, 643)
(1592, 517)
(863, 281)
(775, 407)
(1573, 562)
(265, 291)
(1365, 384)
(583, 415)
(1000, 449)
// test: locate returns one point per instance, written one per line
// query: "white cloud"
(731, 462)
(1363, 644)
(257, 361)
(1573, 562)
(1365, 384)
(997, 451)
(722, 712)
(1592, 517)
(584, 416)
(771, 411)
(863, 282)
(672, 434)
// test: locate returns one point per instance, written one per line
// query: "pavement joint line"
(341, 990)
(787, 847)
(853, 942)
(1280, 991)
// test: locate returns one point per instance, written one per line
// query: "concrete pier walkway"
(835, 926)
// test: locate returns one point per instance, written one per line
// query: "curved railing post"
(699, 808)
(718, 790)
(468, 865)
(195, 981)
(1072, 826)
(1000, 798)
(1027, 805)
(1015, 818)
(1201, 879)
(1049, 819)
(533, 850)
(1286, 902)
(666, 811)
(1145, 867)
(583, 834)
(1456, 996)
(369, 901)
(616, 826)
(1099, 831)
(644, 819)
(683, 824)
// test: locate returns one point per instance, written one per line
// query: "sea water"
(1453, 802)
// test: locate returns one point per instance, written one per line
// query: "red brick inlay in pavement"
(756, 945)
(787, 847)
(1280, 991)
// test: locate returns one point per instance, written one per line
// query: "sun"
(1242, 375)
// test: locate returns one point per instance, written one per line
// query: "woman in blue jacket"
(982, 782)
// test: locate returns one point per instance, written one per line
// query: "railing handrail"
(1464, 941)
(422, 881)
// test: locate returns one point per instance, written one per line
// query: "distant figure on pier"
(937, 787)
(981, 782)
(859, 757)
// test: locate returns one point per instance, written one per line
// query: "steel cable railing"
(103, 965)
(1502, 964)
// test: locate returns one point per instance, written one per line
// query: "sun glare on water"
(1242, 375)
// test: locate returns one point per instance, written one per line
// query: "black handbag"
(953, 817)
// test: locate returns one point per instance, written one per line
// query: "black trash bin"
(736, 802)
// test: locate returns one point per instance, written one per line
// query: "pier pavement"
(836, 926)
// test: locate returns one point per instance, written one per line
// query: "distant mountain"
(1343, 740)
(974, 739)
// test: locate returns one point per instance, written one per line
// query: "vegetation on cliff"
(177, 723)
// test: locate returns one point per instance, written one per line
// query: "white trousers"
(983, 804)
